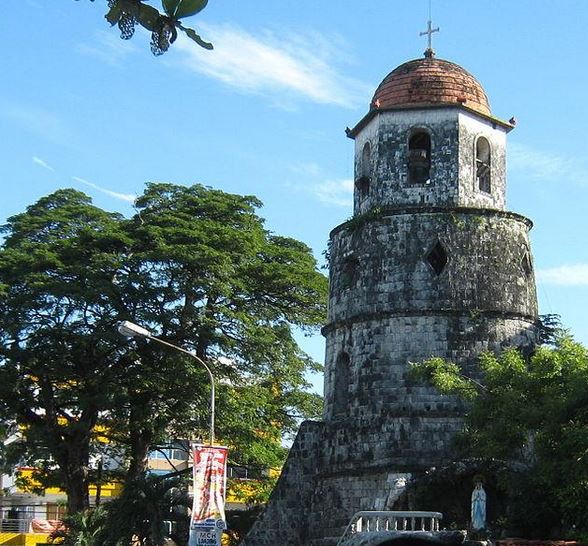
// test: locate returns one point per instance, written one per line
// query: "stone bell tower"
(431, 264)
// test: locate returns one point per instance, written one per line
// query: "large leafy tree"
(531, 413)
(56, 341)
(197, 267)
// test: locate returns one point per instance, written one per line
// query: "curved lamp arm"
(130, 329)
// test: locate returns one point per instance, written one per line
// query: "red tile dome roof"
(430, 82)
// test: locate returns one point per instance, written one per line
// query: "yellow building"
(27, 518)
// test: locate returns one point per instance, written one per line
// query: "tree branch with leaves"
(532, 412)
(163, 23)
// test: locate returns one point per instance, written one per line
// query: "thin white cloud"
(281, 67)
(565, 275)
(335, 192)
(42, 163)
(129, 197)
(306, 169)
(108, 48)
(39, 121)
(545, 166)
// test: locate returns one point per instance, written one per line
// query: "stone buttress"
(431, 264)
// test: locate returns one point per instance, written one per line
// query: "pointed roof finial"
(429, 52)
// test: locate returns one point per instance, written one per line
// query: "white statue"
(478, 507)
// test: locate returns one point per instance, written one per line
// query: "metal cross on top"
(429, 51)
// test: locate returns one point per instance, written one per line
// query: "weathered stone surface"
(431, 269)
(485, 252)
(452, 183)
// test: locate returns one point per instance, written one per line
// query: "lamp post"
(130, 329)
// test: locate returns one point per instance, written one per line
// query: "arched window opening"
(341, 385)
(363, 182)
(483, 165)
(526, 263)
(366, 157)
(363, 186)
(419, 158)
(349, 273)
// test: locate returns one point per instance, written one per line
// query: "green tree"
(56, 346)
(533, 413)
(196, 266)
(163, 23)
(140, 512)
(139, 515)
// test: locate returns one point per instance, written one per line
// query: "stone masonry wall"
(284, 521)
(337, 469)
(421, 270)
(453, 135)
(324, 482)
(470, 128)
(381, 264)
(338, 497)
(389, 307)
(380, 349)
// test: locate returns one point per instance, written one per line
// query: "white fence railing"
(374, 522)
(15, 525)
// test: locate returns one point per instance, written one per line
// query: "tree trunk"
(73, 462)
(140, 446)
(72, 455)
(78, 497)
(69, 445)
(141, 440)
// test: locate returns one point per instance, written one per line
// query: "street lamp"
(130, 329)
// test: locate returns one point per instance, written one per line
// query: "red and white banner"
(210, 482)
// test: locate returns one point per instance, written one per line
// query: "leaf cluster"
(137, 516)
(532, 411)
(163, 23)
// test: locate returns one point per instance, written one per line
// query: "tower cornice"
(441, 312)
(386, 212)
(352, 133)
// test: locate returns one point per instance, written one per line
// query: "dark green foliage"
(532, 412)
(163, 24)
(198, 268)
(146, 503)
(85, 528)
(57, 346)
(152, 509)
(144, 512)
(548, 326)
(239, 522)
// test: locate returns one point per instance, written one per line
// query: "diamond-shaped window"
(437, 258)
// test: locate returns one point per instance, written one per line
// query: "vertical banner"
(210, 480)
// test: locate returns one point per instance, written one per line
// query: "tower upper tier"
(429, 139)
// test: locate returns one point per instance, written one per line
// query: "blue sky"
(265, 112)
